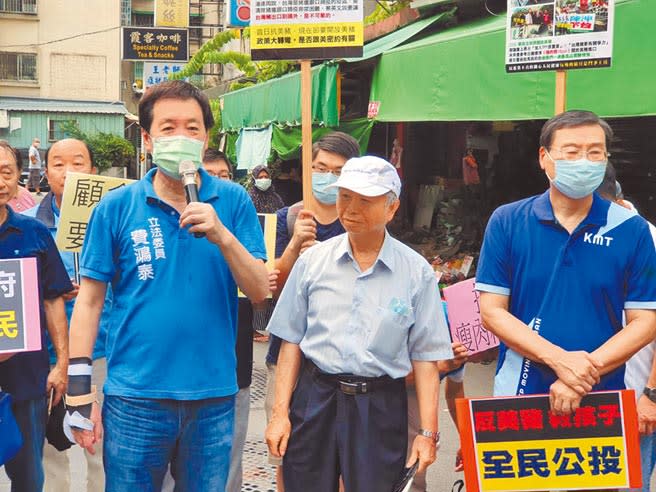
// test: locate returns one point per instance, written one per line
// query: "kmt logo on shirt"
(597, 239)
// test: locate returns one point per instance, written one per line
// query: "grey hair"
(572, 119)
(391, 198)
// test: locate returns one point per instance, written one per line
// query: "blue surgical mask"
(319, 183)
(578, 179)
(169, 152)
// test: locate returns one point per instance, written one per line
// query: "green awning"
(394, 39)
(459, 75)
(279, 101)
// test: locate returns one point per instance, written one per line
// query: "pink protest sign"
(465, 317)
(20, 320)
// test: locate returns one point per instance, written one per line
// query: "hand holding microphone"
(187, 171)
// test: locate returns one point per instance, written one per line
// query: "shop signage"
(20, 325)
(155, 43)
(559, 35)
(172, 13)
(518, 444)
(156, 72)
(239, 13)
(306, 29)
(372, 109)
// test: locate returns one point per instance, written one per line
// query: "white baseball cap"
(369, 176)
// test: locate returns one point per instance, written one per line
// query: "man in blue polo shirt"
(63, 156)
(171, 378)
(26, 375)
(558, 270)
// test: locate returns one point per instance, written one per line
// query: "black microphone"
(187, 171)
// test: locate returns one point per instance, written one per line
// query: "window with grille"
(18, 6)
(126, 12)
(18, 66)
(143, 20)
(56, 130)
(195, 33)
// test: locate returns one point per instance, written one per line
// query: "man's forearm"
(286, 262)
(249, 273)
(57, 327)
(86, 317)
(427, 384)
(639, 331)
(518, 336)
(287, 369)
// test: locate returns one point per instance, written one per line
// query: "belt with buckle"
(354, 388)
(350, 384)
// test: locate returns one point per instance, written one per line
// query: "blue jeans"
(142, 436)
(647, 459)
(25, 470)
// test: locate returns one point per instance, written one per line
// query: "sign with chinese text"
(172, 13)
(155, 43)
(239, 13)
(306, 29)
(372, 109)
(156, 72)
(268, 223)
(82, 192)
(559, 34)
(465, 317)
(517, 443)
(20, 319)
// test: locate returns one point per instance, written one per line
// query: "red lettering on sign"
(484, 421)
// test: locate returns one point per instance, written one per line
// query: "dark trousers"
(363, 437)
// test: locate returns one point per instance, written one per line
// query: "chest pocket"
(389, 334)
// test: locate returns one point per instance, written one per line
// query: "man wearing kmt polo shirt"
(558, 270)
(171, 365)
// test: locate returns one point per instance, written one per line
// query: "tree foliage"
(108, 149)
(254, 72)
(385, 9)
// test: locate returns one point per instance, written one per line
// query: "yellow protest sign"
(312, 29)
(519, 444)
(269, 223)
(82, 193)
(172, 13)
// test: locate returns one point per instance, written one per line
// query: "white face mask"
(263, 184)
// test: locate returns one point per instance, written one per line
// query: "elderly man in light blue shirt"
(358, 313)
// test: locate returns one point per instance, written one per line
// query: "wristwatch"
(435, 436)
(650, 393)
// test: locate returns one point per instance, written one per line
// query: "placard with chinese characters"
(82, 193)
(465, 317)
(20, 318)
(306, 29)
(519, 444)
(155, 43)
(559, 34)
(156, 72)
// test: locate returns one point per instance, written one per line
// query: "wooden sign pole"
(561, 91)
(306, 131)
